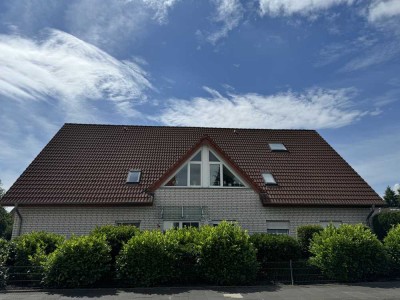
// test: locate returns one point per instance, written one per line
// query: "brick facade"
(240, 204)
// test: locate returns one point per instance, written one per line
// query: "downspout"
(20, 220)
(370, 215)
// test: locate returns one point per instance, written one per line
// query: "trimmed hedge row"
(347, 253)
(225, 254)
(78, 262)
(218, 255)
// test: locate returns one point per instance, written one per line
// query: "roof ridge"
(190, 127)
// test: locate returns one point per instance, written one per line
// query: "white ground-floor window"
(180, 224)
(278, 227)
(325, 223)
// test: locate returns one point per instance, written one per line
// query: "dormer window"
(205, 169)
(277, 147)
(134, 176)
(268, 179)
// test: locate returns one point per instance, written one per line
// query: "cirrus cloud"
(64, 69)
(302, 7)
(380, 10)
(315, 108)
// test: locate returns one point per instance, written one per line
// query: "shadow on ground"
(161, 291)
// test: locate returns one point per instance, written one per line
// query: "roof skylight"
(268, 178)
(277, 147)
(134, 176)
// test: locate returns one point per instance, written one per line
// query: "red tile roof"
(88, 164)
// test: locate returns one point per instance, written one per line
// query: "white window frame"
(180, 224)
(205, 171)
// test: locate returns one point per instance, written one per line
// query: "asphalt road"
(376, 290)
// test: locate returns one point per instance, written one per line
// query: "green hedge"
(392, 246)
(274, 248)
(27, 253)
(78, 262)
(227, 256)
(4, 248)
(30, 249)
(183, 246)
(305, 234)
(348, 253)
(145, 261)
(116, 236)
(384, 221)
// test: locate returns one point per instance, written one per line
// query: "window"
(325, 223)
(180, 224)
(189, 175)
(133, 223)
(217, 168)
(195, 174)
(180, 178)
(269, 179)
(278, 227)
(277, 147)
(134, 176)
(205, 169)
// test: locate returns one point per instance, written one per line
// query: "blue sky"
(330, 65)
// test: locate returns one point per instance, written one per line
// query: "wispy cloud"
(380, 53)
(228, 15)
(301, 7)
(315, 108)
(106, 24)
(63, 69)
(59, 78)
(111, 23)
(383, 9)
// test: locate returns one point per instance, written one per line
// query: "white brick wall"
(242, 205)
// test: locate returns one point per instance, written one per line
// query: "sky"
(329, 65)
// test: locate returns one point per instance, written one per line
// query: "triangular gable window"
(205, 169)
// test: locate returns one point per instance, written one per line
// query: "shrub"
(116, 236)
(384, 221)
(182, 245)
(28, 252)
(144, 260)
(78, 262)
(4, 247)
(31, 248)
(227, 256)
(347, 253)
(304, 236)
(274, 248)
(392, 246)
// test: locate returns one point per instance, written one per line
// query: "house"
(167, 177)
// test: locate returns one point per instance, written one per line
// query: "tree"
(398, 196)
(5, 219)
(390, 197)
